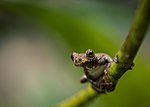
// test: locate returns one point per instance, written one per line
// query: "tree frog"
(95, 65)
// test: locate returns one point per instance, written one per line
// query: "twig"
(81, 98)
(132, 43)
(124, 57)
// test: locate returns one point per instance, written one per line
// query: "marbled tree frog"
(94, 65)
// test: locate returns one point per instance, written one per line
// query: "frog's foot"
(109, 86)
(129, 67)
(83, 79)
(103, 87)
(98, 89)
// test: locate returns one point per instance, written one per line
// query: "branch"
(80, 99)
(129, 49)
(124, 57)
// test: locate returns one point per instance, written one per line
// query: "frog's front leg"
(84, 79)
(102, 84)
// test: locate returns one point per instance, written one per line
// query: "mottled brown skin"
(94, 65)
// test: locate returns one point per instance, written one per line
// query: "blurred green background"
(38, 37)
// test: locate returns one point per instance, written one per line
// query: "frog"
(95, 66)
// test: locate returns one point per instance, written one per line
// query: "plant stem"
(84, 96)
(125, 56)
(132, 43)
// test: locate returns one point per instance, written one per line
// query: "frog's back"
(99, 55)
(103, 55)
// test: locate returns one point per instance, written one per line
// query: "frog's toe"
(83, 79)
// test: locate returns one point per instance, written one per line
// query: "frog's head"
(79, 59)
(82, 59)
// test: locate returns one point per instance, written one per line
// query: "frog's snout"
(72, 58)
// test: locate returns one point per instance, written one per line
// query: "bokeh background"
(38, 37)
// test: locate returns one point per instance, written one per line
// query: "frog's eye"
(72, 57)
(89, 53)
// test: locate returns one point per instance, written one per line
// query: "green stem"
(84, 96)
(125, 56)
(132, 43)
